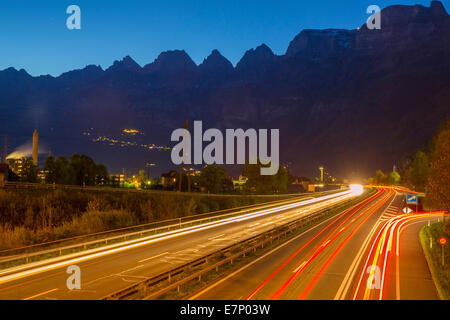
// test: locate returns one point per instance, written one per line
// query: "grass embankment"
(35, 216)
(441, 274)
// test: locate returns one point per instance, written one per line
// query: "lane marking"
(266, 224)
(299, 267)
(220, 235)
(154, 257)
(259, 259)
(335, 253)
(345, 285)
(40, 294)
(326, 242)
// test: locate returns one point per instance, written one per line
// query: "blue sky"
(33, 34)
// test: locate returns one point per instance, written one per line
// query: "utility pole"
(186, 126)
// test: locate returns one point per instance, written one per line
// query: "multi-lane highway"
(117, 267)
(330, 260)
(394, 267)
(369, 251)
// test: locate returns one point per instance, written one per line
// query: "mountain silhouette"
(351, 100)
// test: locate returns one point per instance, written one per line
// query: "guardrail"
(141, 289)
(294, 198)
(106, 238)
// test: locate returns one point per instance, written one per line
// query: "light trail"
(325, 201)
(322, 247)
(355, 207)
(343, 243)
(387, 237)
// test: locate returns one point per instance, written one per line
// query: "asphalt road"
(331, 260)
(318, 264)
(402, 271)
(106, 272)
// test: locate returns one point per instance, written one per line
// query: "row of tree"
(215, 179)
(78, 170)
(381, 178)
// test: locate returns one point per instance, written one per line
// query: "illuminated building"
(169, 179)
(117, 179)
(42, 175)
(238, 184)
(16, 165)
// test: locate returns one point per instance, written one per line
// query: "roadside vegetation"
(30, 216)
(441, 274)
(427, 170)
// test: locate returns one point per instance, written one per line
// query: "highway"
(330, 261)
(112, 269)
(401, 271)
(314, 264)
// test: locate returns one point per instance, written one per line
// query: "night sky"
(33, 35)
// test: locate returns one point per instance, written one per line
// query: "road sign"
(412, 199)
(407, 210)
(443, 242)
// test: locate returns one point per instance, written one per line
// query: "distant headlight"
(356, 189)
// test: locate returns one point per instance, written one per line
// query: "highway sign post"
(443, 242)
(412, 199)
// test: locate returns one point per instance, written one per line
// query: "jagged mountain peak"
(89, 72)
(12, 70)
(171, 61)
(216, 62)
(260, 55)
(127, 63)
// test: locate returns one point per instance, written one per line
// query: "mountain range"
(351, 100)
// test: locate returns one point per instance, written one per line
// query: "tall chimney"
(35, 147)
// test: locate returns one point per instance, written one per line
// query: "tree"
(281, 180)
(84, 168)
(380, 177)
(59, 171)
(418, 172)
(29, 171)
(50, 168)
(65, 173)
(101, 174)
(256, 182)
(261, 184)
(213, 178)
(394, 178)
(437, 188)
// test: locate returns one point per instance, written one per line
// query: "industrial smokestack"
(35, 147)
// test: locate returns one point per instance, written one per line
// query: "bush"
(446, 227)
(40, 215)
